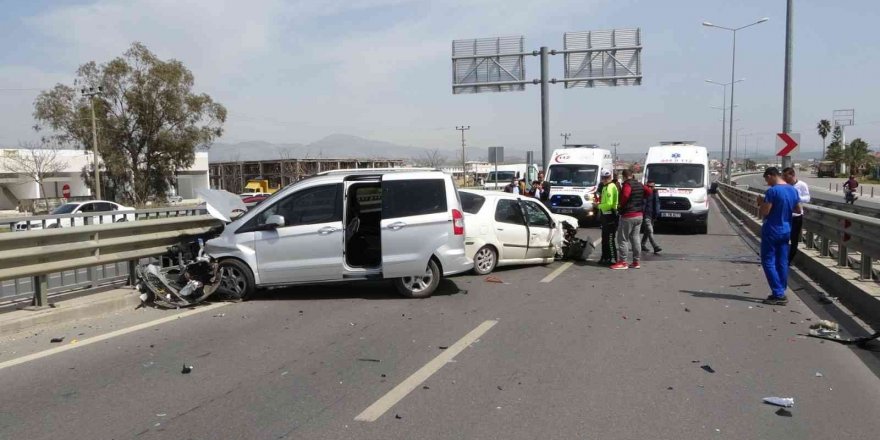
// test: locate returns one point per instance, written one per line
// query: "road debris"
(785, 402)
(219, 315)
(707, 368)
(186, 369)
(443, 347)
(369, 360)
(819, 374)
(825, 328)
(425, 387)
(741, 285)
(687, 309)
(494, 279)
(397, 416)
(56, 340)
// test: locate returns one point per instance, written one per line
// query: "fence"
(853, 239)
(99, 250)
(82, 219)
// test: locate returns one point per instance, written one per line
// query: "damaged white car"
(506, 229)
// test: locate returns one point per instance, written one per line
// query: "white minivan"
(573, 175)
(506, 173)
(680, 171)
(348, 225)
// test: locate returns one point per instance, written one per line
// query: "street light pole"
(462, 129)
(786, 98)
(724, 116)
(91, 92)
(732, 75)
(565, 136)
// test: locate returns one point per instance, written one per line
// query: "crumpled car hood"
(221, 204)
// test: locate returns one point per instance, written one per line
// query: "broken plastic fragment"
(707, 368)
(369, 360)
(493, 279)
(785, 402)
(57, 340)
(186, 369)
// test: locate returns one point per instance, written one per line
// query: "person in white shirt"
(797, 220)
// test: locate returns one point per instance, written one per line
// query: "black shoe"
(656, 250)
(644, 249)
(776, 301)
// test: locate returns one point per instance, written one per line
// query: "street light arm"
(750, 25)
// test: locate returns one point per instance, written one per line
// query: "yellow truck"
(259, 186)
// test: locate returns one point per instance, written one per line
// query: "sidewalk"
(70, 310)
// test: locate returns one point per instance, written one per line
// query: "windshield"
(503, 176)
(66, 208)
(675, 175)
(573, 175)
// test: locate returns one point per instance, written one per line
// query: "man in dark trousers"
(632, 206)
(652, 213)
(608, 218)
(797, 220)
(776, 208)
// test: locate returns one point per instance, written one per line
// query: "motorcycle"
(196, 276)
(850, 197)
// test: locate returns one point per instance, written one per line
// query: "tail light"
(457, 222)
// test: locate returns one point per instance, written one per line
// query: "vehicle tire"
(420, 286)
(53, 226)
(236, 280)
(123, 219)
(485, 260)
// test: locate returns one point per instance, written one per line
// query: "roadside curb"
(71, 310)
(854, 294)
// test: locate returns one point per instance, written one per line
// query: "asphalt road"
(591, 354)
(818, 189)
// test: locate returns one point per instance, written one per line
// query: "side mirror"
(274, 221)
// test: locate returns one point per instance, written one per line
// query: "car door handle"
(327, 230)
(397, 226)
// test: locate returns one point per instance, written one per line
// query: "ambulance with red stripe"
(573, 175)
(680, 171)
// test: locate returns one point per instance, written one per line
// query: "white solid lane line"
(105, 336)
(557, 272)
(374, 411)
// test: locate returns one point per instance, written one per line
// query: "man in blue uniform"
(776, 208)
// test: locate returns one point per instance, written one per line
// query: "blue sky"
(295, 71)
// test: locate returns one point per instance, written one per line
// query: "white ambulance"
(574, 174)
(680, 171)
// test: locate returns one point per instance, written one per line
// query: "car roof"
(496, 194)
(358, 171)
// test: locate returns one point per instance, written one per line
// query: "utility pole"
(565, 136)
(462, 129)
(615, 144)
(545, 108)
(91, 92)
(786, 94)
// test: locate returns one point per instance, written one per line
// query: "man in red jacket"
(632, 207)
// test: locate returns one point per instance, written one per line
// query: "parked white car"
(110, 212)
(505, 229)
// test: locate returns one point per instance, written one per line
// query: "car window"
(321, 204)
(87, 207)
(508, 211)
(535, 215)
(470, 202)
(404, 198)
(66, 208)
(104, 206)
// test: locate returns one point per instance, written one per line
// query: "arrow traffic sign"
(787, 143)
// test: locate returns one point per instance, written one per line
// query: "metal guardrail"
(41, 254)
(70, 220)
(854, 238)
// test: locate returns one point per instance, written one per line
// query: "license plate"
(670, 214)
(564, 211)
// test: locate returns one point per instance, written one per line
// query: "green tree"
(858, 156)
(824, 129)
(149, 120)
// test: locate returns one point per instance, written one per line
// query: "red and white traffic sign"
(787, 143)
(65, 191)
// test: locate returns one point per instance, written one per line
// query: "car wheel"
(53, 226)
(123, 219)
(236, 279)
(420, 286)
(485, 260)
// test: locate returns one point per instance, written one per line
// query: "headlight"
(700, 199)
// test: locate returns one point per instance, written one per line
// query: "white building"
(16, 187)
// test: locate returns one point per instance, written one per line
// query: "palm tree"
(858, 156)
(824, 128)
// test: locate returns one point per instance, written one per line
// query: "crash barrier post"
(73, 220)
(851, 233)
(52, 252)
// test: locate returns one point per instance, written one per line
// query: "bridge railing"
(42, 254)
(26, 223)
(853, 238)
